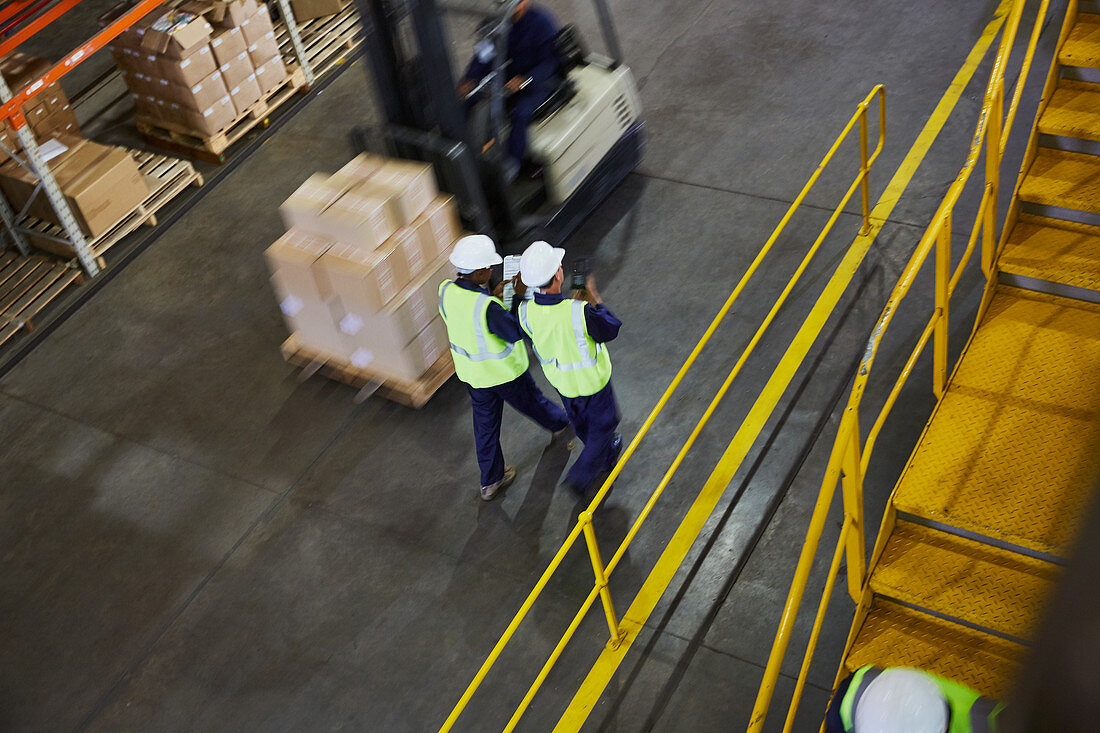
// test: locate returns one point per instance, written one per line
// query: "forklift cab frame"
(425, 119)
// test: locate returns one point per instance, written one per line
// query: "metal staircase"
(978, 527)
(987, 507)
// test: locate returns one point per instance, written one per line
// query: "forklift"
(586, 137)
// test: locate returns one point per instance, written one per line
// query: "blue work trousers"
(523, 106)
(595, 419)
(488, 406)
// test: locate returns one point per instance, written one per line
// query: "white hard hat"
(902, 700)
(473, 252)
(539, 264)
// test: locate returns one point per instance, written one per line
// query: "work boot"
(488, 493)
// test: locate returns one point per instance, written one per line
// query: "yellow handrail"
(584, 525)
(849, 457)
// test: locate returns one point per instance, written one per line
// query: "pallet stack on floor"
(202, 72)
(357, 276)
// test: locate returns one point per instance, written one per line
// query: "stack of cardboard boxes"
(197, 67)
(101, 183)
(48, 112)
(358, 271)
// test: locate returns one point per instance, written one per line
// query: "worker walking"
(568, 338)
(903, 700)
(490, 357)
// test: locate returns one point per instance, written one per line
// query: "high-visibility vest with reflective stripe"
(481, 359)
(576, 365)
(970, 711)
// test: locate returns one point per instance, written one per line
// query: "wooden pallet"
(411, 394)
(27, 285)
(212, 149)
(166, 178)
(328, 41)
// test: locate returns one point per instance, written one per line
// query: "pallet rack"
(28, 282)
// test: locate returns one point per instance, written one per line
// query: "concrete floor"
(194, 540)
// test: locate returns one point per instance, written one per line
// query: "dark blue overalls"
(521, 393)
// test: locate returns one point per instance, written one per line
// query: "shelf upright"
(296, 40)
(12, 111)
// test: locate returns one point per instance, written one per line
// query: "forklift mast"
(416, 89)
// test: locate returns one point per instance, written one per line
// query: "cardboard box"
(376, 352)
(412, 184)
(360, 217)
(309, 9)
(186, 71)
(270, 74)
(302, 290)
(360, 168)
(257, 25)
(200, 96)
(212, 119)
(297, 255)
(362, 282)
(238, 11)
(414, 307)
(102, 184)
(176, 34)
(227, 44)
(60, 121)
(303, 209)
(237, 69)
(264, 49)
(245, 94)
(438, 226)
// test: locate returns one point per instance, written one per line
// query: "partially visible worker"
(568, 337)
(904, 700)
(531, 64)
(491, 358)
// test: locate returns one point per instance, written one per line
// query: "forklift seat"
(567, 44)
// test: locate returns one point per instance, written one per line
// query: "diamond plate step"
(1054, 251)
(985, 586)
(893, 635)
(1073, 111)
(1063, 179)
(1082, 48)
(1013, 449)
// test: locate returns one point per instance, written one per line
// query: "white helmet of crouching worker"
(474, 252)
(539, 264)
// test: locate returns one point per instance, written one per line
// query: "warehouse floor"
(193, 539)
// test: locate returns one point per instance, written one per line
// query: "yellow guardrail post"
(864, 171)
(852, 490)
(992, 177)
(617, 634)
(943, 301)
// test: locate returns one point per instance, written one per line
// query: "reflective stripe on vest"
(582, 373)
(481, 367)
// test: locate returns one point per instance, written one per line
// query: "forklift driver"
(532, 64)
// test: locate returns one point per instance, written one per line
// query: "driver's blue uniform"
(531, 55)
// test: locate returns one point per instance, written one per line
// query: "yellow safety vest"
(481, 359)
(576, 365)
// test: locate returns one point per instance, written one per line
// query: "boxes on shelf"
(389, 235)
(101, 183)
(48, 112)
(193, 60)
(310, 9)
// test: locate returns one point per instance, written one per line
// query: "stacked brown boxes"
(48, 112)
(101, 183)
(198, 66)
(358, 272)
